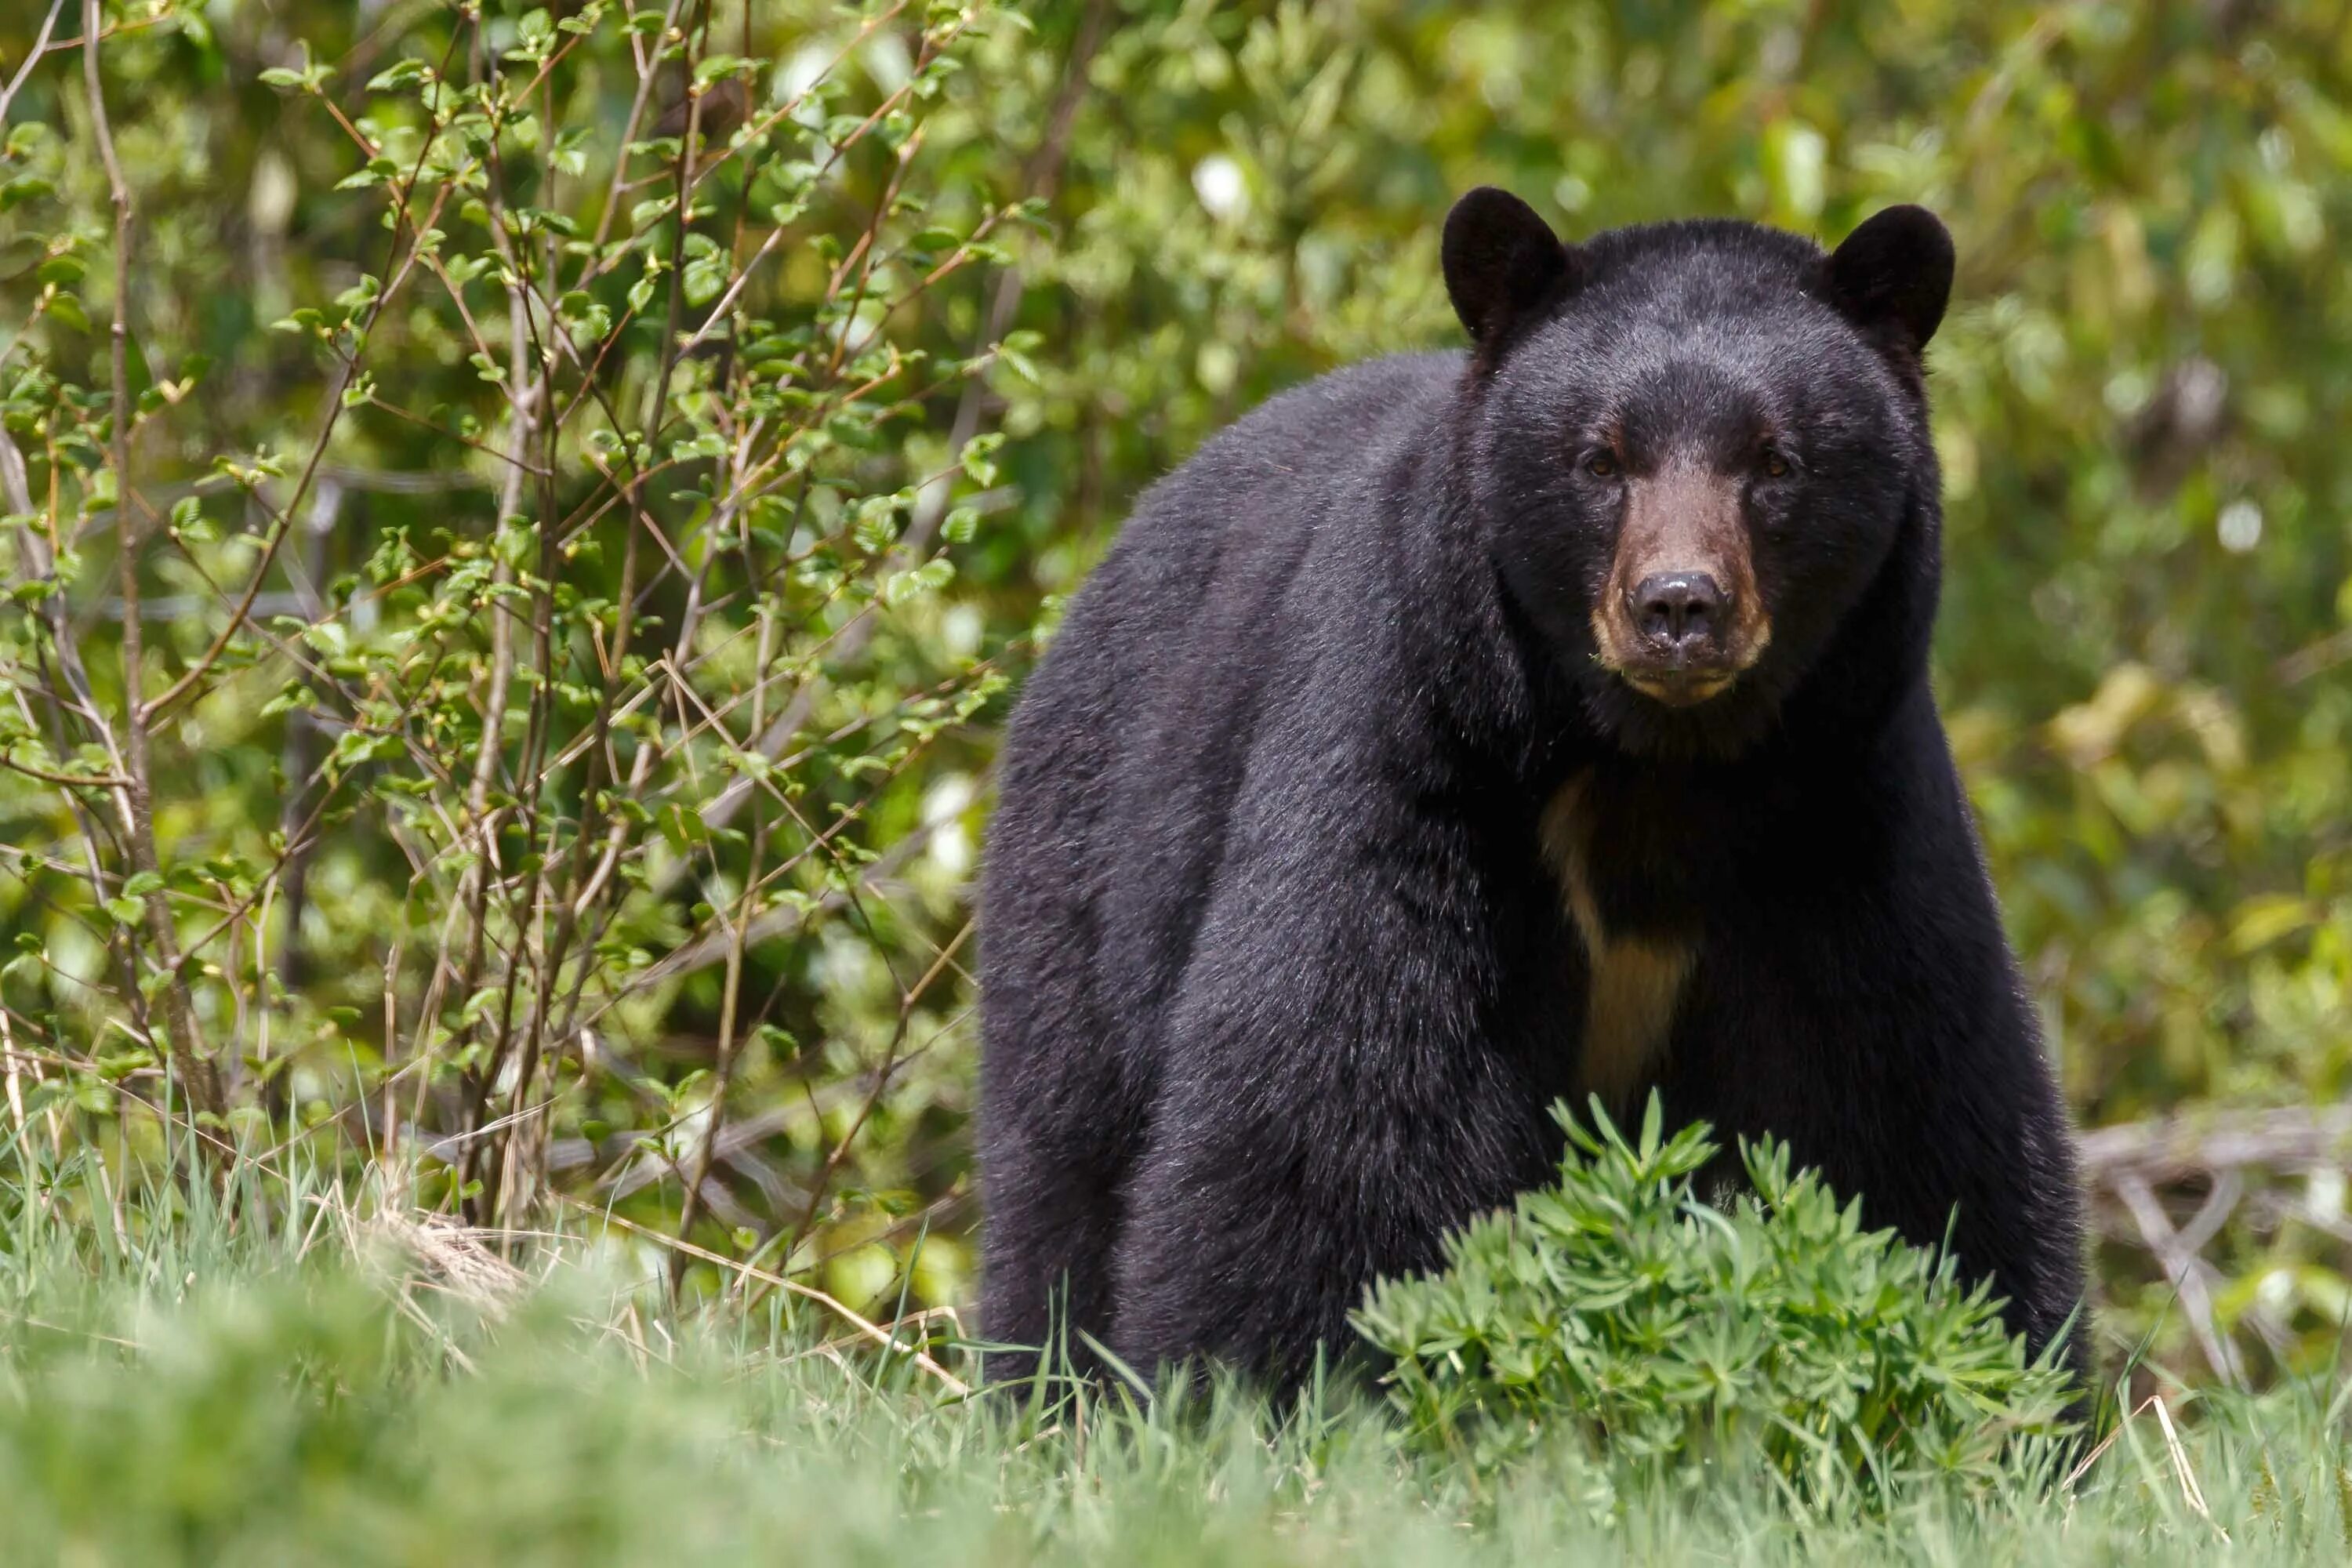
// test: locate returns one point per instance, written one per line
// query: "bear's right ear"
(1501, 262)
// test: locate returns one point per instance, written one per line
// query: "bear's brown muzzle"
(1681, 618)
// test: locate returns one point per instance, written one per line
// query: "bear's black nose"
(1679, 610)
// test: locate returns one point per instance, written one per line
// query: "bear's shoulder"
(1247, 506)
(1345, 423)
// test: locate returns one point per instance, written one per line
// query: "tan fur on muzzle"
(1682, 519)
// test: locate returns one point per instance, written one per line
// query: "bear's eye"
(1602, 465)
(1775, 465)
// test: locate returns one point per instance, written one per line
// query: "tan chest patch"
(1637, 980)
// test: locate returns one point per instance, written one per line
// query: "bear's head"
(1696, 447)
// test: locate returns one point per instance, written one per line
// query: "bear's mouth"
(1680, 673)
(1686, 688)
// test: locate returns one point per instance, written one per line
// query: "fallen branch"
(2169, 1149)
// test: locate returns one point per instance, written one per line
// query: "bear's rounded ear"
(1895, 271)
(1501, 262)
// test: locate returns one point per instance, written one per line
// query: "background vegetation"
(498, 683)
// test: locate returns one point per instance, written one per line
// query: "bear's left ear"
(1501, 262)
(1895, 272)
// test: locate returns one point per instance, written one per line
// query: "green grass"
(319, 1386)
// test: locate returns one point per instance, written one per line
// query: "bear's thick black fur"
(1454, 736)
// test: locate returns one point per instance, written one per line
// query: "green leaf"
(704, 278)
(139, 378)
(189, 523)
(2261, 920)
(63, 306)
(403, 73)
(976, 455)
(25, 138)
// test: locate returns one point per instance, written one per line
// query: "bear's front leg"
(1857, 1000)
(1331, 1102)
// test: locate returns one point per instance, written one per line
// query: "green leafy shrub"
(1621, 1307)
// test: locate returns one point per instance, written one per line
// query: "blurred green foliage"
(2146, 655)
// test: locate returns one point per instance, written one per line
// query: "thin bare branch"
(198, 1075)
(31, 57)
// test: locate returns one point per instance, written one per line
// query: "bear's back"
(1254, 491)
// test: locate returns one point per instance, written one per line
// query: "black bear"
(1460, 733)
